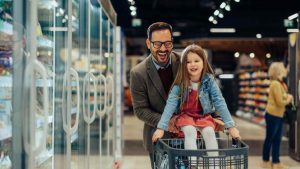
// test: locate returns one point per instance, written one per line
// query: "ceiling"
(190, 18)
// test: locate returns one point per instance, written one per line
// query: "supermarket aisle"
(135, 157)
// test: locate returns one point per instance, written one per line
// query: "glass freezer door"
(67, 92)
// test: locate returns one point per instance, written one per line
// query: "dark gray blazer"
(148, 95)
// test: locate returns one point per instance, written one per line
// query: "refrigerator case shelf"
(6, 81)
(44, 42)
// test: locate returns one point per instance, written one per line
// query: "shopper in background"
(151, 80)
(278, 99)
(195, 93)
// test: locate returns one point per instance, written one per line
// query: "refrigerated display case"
(7, 42)
(57, 83)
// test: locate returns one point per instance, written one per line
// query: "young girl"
(196, 92)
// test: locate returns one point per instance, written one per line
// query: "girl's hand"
(159, 133)
(234, 132)
(172, 126)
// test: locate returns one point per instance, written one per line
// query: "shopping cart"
(170, 154)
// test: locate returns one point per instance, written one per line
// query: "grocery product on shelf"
(253, 94)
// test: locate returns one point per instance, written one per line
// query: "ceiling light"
(176, 34)
(132, 8)
(252, 55)
(236, 54)
(216, 12)
(221, 15)
(293, 16)
(222, 30)
(292, 30)
(258, 36)
(133, 13)
(223, 4)
(215, 21)
(268, 55)
(237, 0)
(211, 18)
(227, 7)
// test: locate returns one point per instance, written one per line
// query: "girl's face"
(194, 66)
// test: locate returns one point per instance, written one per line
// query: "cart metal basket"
(170, 154)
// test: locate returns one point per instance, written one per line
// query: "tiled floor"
(135, 157)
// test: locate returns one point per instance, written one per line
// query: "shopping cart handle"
(235, 142)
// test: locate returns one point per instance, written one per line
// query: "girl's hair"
(182, 77)
(277, 70)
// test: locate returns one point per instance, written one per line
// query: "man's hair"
(158, 26)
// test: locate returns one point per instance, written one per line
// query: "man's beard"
(155, 56)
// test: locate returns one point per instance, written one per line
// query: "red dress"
(191, 113)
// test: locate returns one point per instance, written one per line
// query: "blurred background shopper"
(277, 100)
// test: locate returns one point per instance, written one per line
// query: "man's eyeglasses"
(157, 44)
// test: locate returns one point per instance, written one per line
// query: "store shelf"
(6, 81)
(39, 83)
(44, 42)
(253, 95)
(40, 121)
(47, 4)
(44, 156)
(6, 27)
(5, 133)
(248, 116)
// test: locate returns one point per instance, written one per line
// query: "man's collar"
(157, 66)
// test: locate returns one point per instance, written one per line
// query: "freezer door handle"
(30, 121)
(86, 112)
(110, 104)
(67, 124)
(102, 79)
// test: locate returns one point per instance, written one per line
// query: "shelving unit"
(253, 94)
(6, 42)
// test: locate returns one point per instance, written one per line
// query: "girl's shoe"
(279, 166)
(266, 164)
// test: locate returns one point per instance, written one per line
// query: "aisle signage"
(288, 23)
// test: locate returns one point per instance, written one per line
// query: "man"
(151, 80)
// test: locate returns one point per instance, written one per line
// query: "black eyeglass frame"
(159, 44)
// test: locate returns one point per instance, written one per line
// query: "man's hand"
(172, 127)
(234, 132)
(159, 133)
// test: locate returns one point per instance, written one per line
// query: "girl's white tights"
(208, 134)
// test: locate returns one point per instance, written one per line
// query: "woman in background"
(277, 100)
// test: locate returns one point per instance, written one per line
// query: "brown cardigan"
(148, 94)
(277, 99)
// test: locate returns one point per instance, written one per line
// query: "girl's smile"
(194, 66)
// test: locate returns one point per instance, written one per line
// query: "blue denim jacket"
(210, 97)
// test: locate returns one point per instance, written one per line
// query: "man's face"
(160, 46)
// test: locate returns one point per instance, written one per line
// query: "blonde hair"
(182, 77)
(277, 71)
